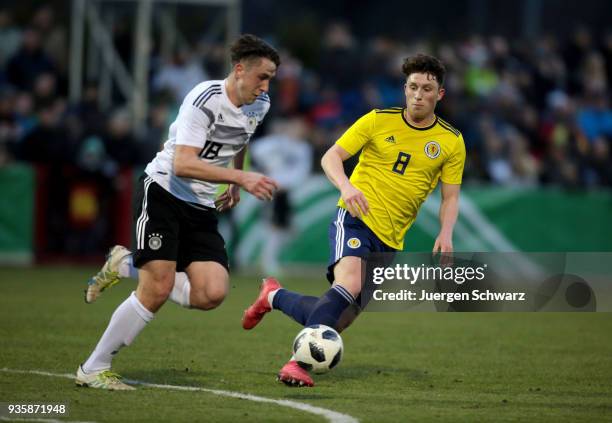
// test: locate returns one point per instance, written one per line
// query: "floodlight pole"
(76, 50)
(134, 87)
(142, 52)
(232, 26)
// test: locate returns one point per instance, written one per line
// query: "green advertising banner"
(490, 219)
(17, 185)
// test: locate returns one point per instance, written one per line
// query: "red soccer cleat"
(293, 375)
(253, 315)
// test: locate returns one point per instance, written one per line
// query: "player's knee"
(351, 282)
(208, 297)
(216, 297)
(207, 303)
(159, 286)
(348, 274)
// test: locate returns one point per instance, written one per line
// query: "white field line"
(329, 415)
(34, 419)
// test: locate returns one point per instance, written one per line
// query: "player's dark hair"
(249, 46)
(423, 63)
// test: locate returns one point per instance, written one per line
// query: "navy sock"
(329, 308)
(294, 305)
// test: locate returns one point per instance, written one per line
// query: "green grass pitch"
(397, 366)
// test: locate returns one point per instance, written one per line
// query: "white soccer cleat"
(104, 379)
(108, 275)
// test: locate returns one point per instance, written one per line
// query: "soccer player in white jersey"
(179, 252)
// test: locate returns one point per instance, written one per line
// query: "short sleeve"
(358, 134)
(452, 170)
(192, 126)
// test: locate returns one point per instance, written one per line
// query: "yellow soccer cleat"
(104, 379)
(108, 275)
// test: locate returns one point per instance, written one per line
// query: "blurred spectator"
(29, 62)
(157, 131)
(606, 50)
(288, 82)
(45, 88)
(86, 118)
(54, 38)
(47, 142)
(24, 114)
(285, 156)
(595, 117)
(574, 54)
(10, 37)
(340, 64)
(600, 162)
(119, 140)
(179, 75)
(530, 110)
(9, 129)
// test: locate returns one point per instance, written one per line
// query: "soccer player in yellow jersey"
(405, 151)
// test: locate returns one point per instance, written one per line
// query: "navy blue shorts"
(349, 236)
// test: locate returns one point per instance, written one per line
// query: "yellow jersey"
(399, 166)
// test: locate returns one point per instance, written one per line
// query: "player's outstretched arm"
(331, 163)
(449, 210)
(187, 164)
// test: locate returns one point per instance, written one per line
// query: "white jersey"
(208, 120)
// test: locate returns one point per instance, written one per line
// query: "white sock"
(271, 295)
(127, 269)
(181, 290)
(128, 320)
(275, 239)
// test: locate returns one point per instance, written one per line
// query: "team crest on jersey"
(432, 149)
(353, 243)
(251, 120)
(251, 123)
(155, 241)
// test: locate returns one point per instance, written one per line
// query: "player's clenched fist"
(258, 185)
(355, 201)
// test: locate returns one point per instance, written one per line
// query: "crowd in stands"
(532, 112)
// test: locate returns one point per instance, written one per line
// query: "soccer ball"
(318, 348)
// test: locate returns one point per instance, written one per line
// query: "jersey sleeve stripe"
(203, 93)
(208, 97)
(448, 124)
(209, 114)
(449, 128)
